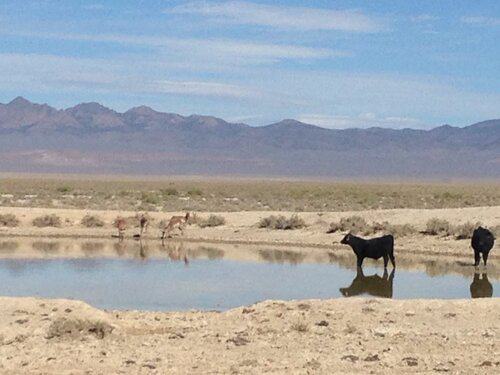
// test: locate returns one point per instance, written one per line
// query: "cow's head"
(347, 239)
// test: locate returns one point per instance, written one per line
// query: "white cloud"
(364, 120)
(481, 21)
(244, 52)
(202, 89)
(284, 17)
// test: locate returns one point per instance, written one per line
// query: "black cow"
(374, 248)
(481, 287)
(482, 242)
(373, 285)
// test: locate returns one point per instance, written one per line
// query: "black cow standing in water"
(481, 287)
(374, 248)
(482, 242)
(373, 285)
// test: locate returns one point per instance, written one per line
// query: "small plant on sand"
(282, 222)
(437, 226)
(9, 220)
(64, 189)
(47, 221)
(354, 224)
(496, 231)
(169, 192)
(300, 326)
(464, 231)
(92, 221)
(212, 221)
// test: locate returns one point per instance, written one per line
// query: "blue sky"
(332, 63)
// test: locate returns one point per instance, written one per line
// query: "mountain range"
(90, 138)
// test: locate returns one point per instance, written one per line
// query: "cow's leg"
(360, 261)
(385, 276)
(393, 260)
(477, 258)
(386, 260)
(485, 257)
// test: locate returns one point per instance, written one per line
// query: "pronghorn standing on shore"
(121, 225)
(143, 223)
(175, 221)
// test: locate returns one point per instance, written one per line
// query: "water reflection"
(8, 246)
(373, 285)
(46, 247)
(282, 256)
(481, 287)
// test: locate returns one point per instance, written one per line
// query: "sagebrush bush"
(353, 224)
(282, 222)
(464, 231)
(212, 221)
(397, 230)
(9, 220)
(496, 231)
(437, 226)
(92, 221)
(47, 221)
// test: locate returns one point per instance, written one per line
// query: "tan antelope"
(144, 223)
(121, 225)
(175, 221)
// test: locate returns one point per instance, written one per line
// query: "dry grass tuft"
(397, 230)
(464, 231)
(92, 221)
(47, 221)
(437, 226)
(282, 223)
(212, 221)
(9, 220)
(300, 326)
(354, 224)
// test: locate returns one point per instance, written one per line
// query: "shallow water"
(209, 278)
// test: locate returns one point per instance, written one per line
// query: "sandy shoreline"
(310, 336)
(241, 228)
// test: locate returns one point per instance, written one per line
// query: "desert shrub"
(169, 192)
(300, 326)
(194, 192)
(9, 220)
(397, 230)
(212, 221)
(150, 198)
(354, 224)
(437, 226)
(92, 221)
(464, 231)
(281, 222)
(496, 231)
(64, 189)
(47, 221)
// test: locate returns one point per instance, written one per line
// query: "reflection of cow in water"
(373, 285)
(481, 287)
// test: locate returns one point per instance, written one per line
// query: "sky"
(336, 64)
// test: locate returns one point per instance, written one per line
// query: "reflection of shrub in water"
(92, 247)
(47, 247)
(8, 246)
(211, 252)
(282, 256)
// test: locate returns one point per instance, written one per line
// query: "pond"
(211, 278)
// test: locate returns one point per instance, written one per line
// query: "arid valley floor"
(354, 335)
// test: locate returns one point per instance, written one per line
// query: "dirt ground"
(301, 337)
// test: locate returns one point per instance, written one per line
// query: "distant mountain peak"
(142, 110)
(20, 102)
